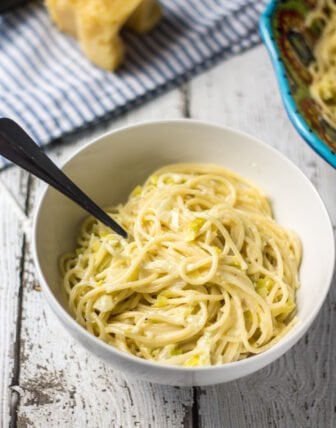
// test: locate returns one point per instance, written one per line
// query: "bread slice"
(97, 24)
(63, 13)
(145, 17)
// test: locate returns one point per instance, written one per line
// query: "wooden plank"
(63, 385)
(13, 183)
(299, 389)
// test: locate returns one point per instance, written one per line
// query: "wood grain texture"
(299, 389)
(12, 242)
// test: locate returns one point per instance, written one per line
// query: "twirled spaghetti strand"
(323, 69)
(206, 277)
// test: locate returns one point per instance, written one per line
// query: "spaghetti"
(206, 277)
(323, 69)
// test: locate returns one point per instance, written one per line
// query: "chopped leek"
(218, 250)
(104, 303)
(168, 293)
(264, 286)
(236, 264)
(169, 181)
(161, 301)
(136, 191)
(104, 234)
(193, 228)
(154, 180)
(175, 351)
(96, 246)
(285, 310)
(193, 362)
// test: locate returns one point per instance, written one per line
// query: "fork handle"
(17, 146)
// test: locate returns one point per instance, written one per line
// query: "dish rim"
(68, 320)
(300, 124)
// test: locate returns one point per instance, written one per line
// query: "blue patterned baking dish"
(290, 44)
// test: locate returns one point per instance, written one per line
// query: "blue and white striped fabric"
(48, 86)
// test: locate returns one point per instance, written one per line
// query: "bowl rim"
(272, 353)
(267, 35)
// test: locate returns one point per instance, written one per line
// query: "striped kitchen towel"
(49, 87)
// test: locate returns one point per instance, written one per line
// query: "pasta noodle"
(206, 276)
(323, 69)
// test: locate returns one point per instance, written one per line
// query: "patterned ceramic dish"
(290, 44)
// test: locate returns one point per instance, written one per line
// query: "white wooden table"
(48, 380)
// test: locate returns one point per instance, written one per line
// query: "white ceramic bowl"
(111, 166)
